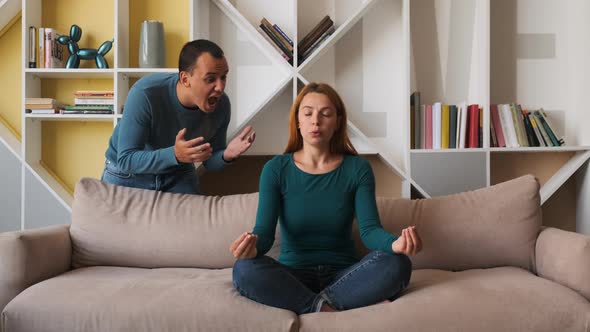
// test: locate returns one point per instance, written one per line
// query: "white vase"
(152, 52)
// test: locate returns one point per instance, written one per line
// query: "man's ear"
(184, 79)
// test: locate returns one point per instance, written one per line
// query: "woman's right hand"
(244, 246)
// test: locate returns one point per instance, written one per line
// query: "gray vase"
(152, 50)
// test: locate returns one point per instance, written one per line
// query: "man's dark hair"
(192, 50)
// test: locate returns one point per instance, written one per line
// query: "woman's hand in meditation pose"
(409, 242)
(244, 246)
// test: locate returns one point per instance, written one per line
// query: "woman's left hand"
(409, 242)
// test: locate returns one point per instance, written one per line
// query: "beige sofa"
(136, 260)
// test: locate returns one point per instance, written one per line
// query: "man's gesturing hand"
(239, 144)
(189, 151)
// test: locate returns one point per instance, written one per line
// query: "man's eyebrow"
(215, 73)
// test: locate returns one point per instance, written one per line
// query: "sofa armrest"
(31, 256)
(564, 257)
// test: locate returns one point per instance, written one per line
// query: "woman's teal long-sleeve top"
(316, 212)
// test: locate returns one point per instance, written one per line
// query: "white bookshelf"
(380, 52)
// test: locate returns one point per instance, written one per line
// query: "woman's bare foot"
(327, 308)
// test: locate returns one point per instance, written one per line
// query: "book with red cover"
(473, 125)
(497, 125)
(428, 144)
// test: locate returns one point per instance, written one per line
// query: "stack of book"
(91, 102)
(322, 31)
(43, 106)
(441, 126)
(512, 126)
(277, 38)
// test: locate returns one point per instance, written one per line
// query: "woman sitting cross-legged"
(315, 189)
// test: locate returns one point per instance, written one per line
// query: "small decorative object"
(151, 45)
(77, 53)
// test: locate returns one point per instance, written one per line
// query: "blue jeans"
(183, 181)
(377, 277)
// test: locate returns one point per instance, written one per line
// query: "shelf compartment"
(537, 61)
(344, 14)
(131, 14)
(439, 174)
(249, 41)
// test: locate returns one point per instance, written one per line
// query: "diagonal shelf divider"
(50, 182)
(9, 139)
(563, 174)
(267, 101)
(339, 33)
(244, 26)
(420, 189)
(38, 171)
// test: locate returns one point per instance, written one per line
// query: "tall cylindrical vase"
(152, 53)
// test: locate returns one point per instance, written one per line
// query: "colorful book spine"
(415, 105)
(422, 126)
(278, 36)
(436, 125)
(497, 125)
(463, 128)
(41, 62)
(508, 125)
(445, 125)
(536, 129)
(452, 127)
(276, 47)
(552, 128)
(276, 41)
(429, 130)
(544, 134)
(279, 30)
(473, 125)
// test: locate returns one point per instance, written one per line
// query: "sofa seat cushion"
(498, 299)
(134, 299)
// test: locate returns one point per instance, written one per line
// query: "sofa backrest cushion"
(120, 226)
(489, 227)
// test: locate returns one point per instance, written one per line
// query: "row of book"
(448, 126)
(284, 45)
(440, 126)
(85, 102)
(44, 51)
(512, 126)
